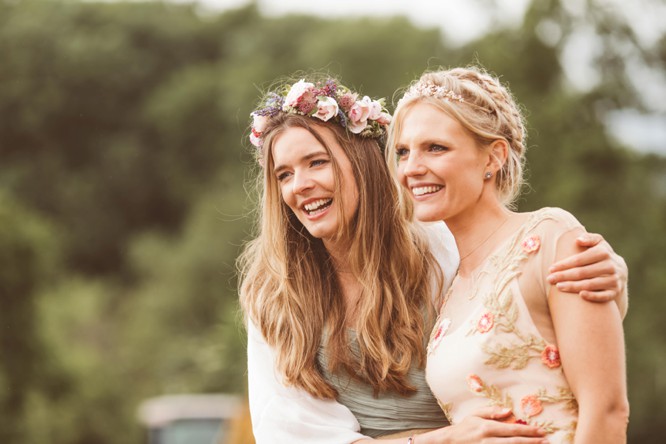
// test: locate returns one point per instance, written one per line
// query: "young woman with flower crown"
(339, 289)
(505, 336)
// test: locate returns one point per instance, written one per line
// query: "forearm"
(603, 424)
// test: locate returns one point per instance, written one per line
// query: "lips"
(316, 206)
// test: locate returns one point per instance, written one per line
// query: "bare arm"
(597, 273)
(591, 344)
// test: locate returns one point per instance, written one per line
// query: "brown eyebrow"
(278, 168)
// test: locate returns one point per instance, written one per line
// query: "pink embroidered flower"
(551, 356)
(326, 108)
(442, 327)
(486, 323)
(531, 244)
(300, 92)
(475, 383)
(531, 406)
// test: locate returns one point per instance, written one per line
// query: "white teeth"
(312, 206)
(420, 191)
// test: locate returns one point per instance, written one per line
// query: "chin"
(427, 216)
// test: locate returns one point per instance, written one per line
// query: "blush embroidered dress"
(494, 343)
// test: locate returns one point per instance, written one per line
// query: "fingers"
(603, 283)
(589, 239)
(592, 255)
(516, 441)
(495, 413)
(599, 296)
(586, 272)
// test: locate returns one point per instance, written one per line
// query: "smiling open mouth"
(317, 206)
(422, 191)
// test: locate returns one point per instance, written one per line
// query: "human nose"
(413, 165)
(302, 182)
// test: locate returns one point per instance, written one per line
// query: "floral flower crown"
(327, 102)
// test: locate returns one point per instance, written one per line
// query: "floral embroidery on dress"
(531, 244)
(531, 406)
(516, 355)
(494, 394)
(438, 333)
(475, 383)
(511, 347)
(446, 408)
(486, 323)
(551, 356)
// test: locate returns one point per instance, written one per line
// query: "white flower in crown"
(327, 107)
(298, 92)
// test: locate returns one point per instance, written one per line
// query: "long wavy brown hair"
(290, 291)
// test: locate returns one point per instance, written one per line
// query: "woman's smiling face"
(305, 175)
(439, 163)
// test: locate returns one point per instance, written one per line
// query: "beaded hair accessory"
(429, 89)
(328, 102)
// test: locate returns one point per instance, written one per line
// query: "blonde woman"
(338, 288)
(505, 336)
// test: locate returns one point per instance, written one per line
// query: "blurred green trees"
(123, 202)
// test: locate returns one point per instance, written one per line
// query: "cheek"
(400, 173)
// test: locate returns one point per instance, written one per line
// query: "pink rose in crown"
(375, 110)
(384, 119)
(300, 92)
(358, 115)
(259, 123)
(360, 110)
(347, 101)
(255, 138)
(326, 108)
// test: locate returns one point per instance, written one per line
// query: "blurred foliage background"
(123, 199)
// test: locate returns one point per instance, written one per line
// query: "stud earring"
(488, 175)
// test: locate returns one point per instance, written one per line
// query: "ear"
(498, 152)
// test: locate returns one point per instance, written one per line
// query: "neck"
(339, 256)
(475, 231)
